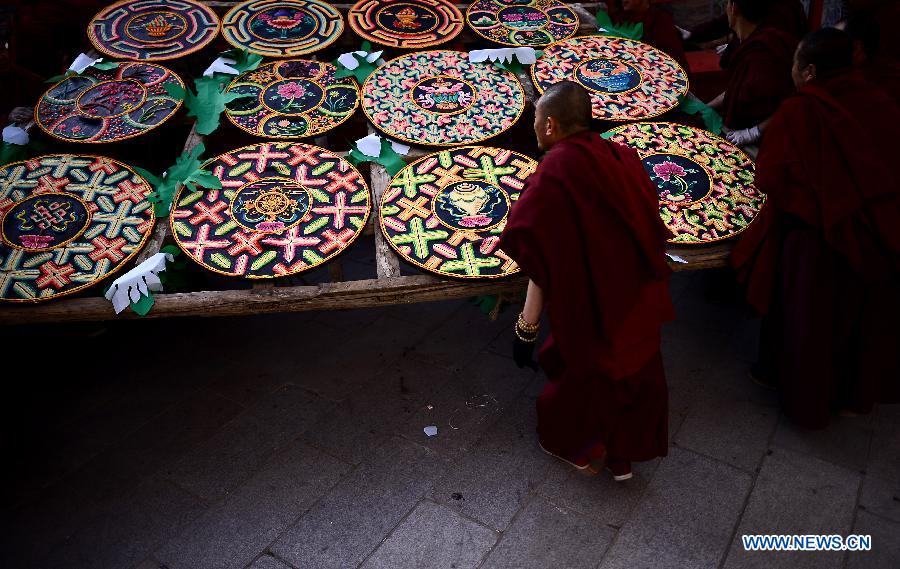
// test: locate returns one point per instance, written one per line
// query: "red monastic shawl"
(759, 77)
(827, 159)
(587, 231)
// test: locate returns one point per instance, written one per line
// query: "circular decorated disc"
(445, 212)
(292, 99)
(285, 208)
(413, 24)
(522, 22)
(705, 184)
(628, 80)
(440, 98)
(282, 28)
(153, 29)
(106, 106)
(68, 221)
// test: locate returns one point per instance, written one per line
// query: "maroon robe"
(786, 15)
(759, 77)
(587, 231)
(659, 31)
(822, 260)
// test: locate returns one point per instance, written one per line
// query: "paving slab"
(160, 442)
(845, 442)
(685, 517)
(268, 562)
(433, 536)
(234, 532)
(598, 497)
(885, 455)
(796, 494)
(885, 553)
(349, 522)
(456, 341)
(728, 427)
(127, 530)
(493, 480)
(545, 535)
(880, 497)
(237, 450)
(464, 407)
(363, 421)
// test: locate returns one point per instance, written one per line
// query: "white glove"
(745, 136)
(720, 49)
(685, 34)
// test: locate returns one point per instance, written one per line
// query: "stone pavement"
(295, 441)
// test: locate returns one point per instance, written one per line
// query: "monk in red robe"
(786, 15)
(759, 72)
(659, 28)
(822, 261)
(587, 232)
(870, 55)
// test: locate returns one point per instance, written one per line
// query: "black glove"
(523, 354)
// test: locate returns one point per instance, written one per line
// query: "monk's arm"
(534, 303)
(718, 101)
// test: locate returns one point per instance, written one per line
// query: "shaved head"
(569, 103)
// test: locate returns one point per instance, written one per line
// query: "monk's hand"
(744, 137)
(523, 343)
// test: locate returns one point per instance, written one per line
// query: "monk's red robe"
(786, 15)
(822, 260)
(659, 31)
(587, 231)
(759, 77)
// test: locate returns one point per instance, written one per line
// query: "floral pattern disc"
(284, 208)
(628, 80)
(292, 99)
(522, 22)
(445, 212)
(705, 183)
(68, 221)
(442, 99)
(412, 24)
(153, 29)
(105, 106)
(282, 28)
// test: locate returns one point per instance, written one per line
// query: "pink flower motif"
(291, 90)
(284, 123)
(665, 170)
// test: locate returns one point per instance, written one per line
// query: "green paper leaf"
(58, 78)
(105, 65)
(143, 306)
(486, 303)
(205, 179)
(185, 172)
(15, 152)
(693, 106)
(623, 30)
(513, 66)
(608, 134)
(207, 104)
(243, 59)
(363, 68)
(389, 158)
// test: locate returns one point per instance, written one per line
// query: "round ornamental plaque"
(68, 222)
(440, 98)
(284, 208)
(628, 80)
(106, 106)
(704, 183)
(292, 99)
(522, 22)
(411, 24)
(153, 29)
(282, 28)
(445, 212)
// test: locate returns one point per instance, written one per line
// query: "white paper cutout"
(139, 281)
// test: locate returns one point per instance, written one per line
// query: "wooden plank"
(386, 263)
(326, 296)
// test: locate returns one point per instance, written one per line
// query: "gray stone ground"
(295, 441)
